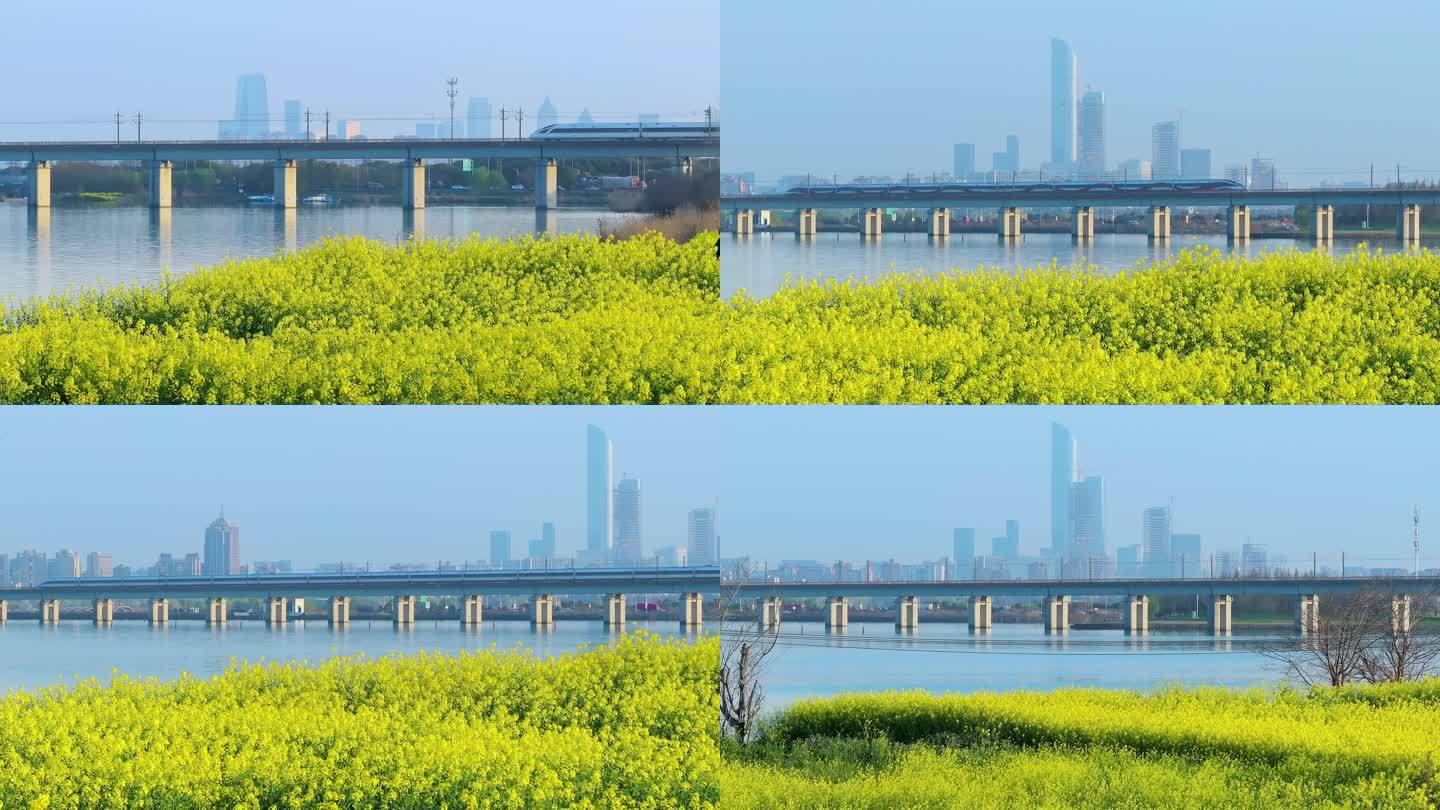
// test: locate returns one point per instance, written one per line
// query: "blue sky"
(1323, 84)
(179, 59)
(319, 484)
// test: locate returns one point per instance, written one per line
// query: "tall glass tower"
(1062, 475)
(1091, 128)
(599, 490)
(1062, 103)
(477, 118)
(252, 106)
(627, 545)
(546, 115)
(222, 548)
(702, 547)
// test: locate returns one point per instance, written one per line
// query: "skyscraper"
(1262, 173)
(585, 117)
(1063, 472)
(963, 541)
(627, 543)
(1012, 152)
(293, 127)
(599, 486)
(544, 547)
(1090, 149)
(1087, 527)
(701, 548)
(546, 115)
(1195, 163)
(477, 118)
(1185, 555)
(1007, 546)
(499, 546)
(1254, 562)
(98, 564)
(964, 160)
(65, 565)
(1165, 150)
(1063, 77)
(222, 548)
(252, 106)
(1155, 537)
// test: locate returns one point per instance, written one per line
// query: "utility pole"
(327, 125)
(1415, 539)
(520, 125)
(709, 116)
(138, 119)
(451, 91)
(307, 124)
(117, 127)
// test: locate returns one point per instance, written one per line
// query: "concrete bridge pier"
(217, 611)
(286, 188)
(939, 223)
(872, 223)
(980, 615)
(615, 610)
(403, 614)
(806, 222)
(472, 610)
(1220, 614)
(692, 609)
(1159, 223)
(1400, 615)
(413, 180)
(159, 611)
(160, 187)
(1324, 223)
(1057, 614)
(1137, 616)
(49, 611)
(1237, 223)
(547, 175)
(104, 611)
(837, 613)
(542, 610)
(771, 609)
(1082, 224)
(38, 183)
(907, 613)
(1307, 613)
(1407, 227)
(744, 221)
(1010, 223)
(339, 611)
(687, 167)
(4, 611)
(276, 610)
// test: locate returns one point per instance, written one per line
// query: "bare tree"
(745, 647)
(1360, 639)
(1401, 652)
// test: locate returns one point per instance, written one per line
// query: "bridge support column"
(104, 611)
(907, 613)
(1137, 617)
(472, 610)
(615, 610)
(546, 183)
(49, 611)
(1307, 613)
(160, 611)
(1010, 223)
(1220, 614)
(939, 223)
(339, 611)
(1237, 223)
(837, 613)
(687, 167)
(872, 223)
(1159, 223)
(286, 188)
(806, 222)
(1082, 225)
(403, 613)
(4, 611)
(744, 221)
(38, 183)
(692, 609)
(217, 611)
(980, 616)
(1057, 614)
(1400, 615)
(414, 183)
(160, 186)
(1324, 223)
(276, 611)
(1407, 227)
(542, 610)
(771, 609)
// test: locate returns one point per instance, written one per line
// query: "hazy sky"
(858, 483)
(1318, 84)
(179, 59)
(321, 484)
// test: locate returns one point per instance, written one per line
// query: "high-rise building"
(66, 564)
(348, 129)
(963, 542)
(627, 545)
(222, 548)
(499, 546)
(1262, 174)
(1063, 84)
(599, 492)
(1155, 537)
(544, 548)
(1127, 561)
(1134, 170)
(252, 106)
(4, 570)
(1087, 520)
(294, 127)
(585, 117)
(671, 556)
(1227, 564)
(1012, 152)
(426, 131)
(1165, 150)
(1185, 555)
(98, 564)
(546, 115)
(1195, 163)
(1063, 472)
(964, 160)
(477, 118)
(1090, 135)
(702, 547)
(1254, 561)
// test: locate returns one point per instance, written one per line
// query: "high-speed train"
(637, 130)
(984, 189)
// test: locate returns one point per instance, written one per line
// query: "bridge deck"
(1000, 198)
(1035, 588)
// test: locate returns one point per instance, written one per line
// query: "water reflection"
(412, 223)
(546, 221)
(287, 228)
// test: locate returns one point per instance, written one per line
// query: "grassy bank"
(629, 726)
(587, 320)
(1361, 746)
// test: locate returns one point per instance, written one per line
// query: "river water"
(69, 248)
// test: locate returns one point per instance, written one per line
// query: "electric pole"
(117, 127)
(1415, 538)
(502, 123)
(138, 118)
(452, 92)
(327, 125)
(709, 116)
(307, 124)
(520, 124)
